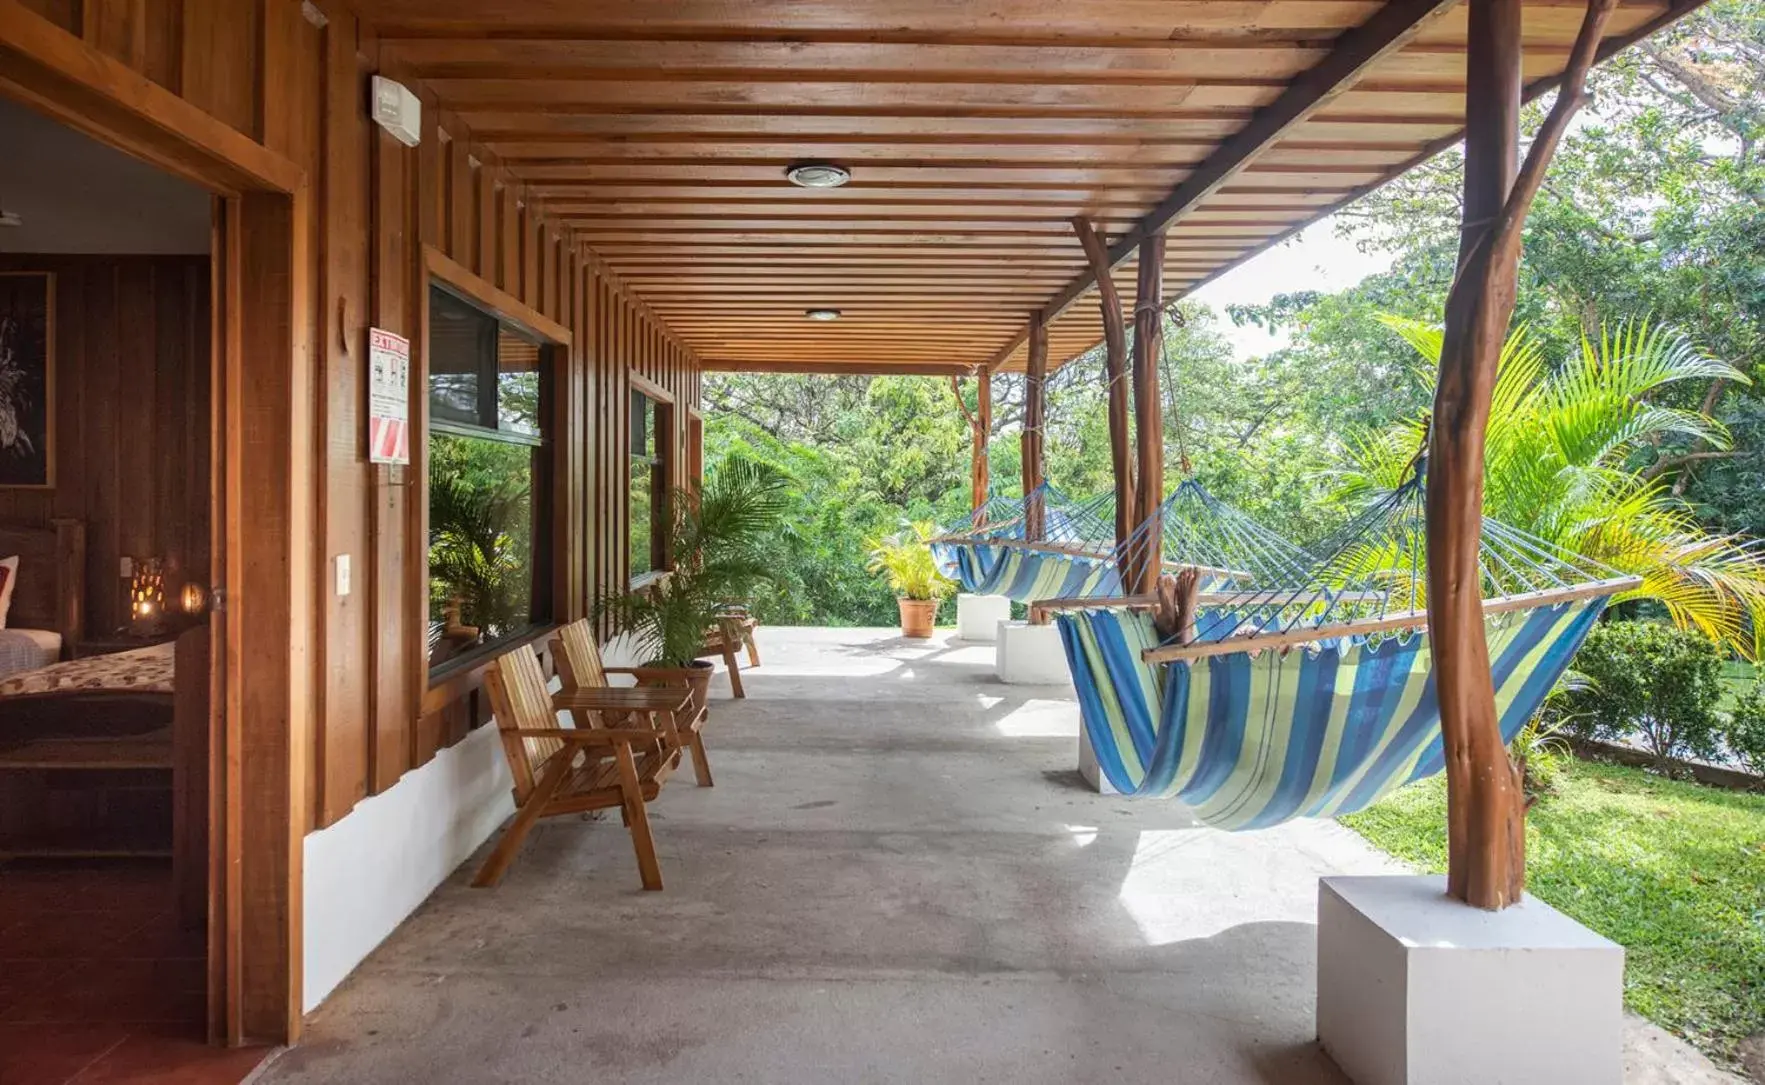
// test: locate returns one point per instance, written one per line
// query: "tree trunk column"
(1485, 803)
(1148, 417)
(1115, 373)
(980, 480)
(1035, 413)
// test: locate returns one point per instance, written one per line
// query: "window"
(651, 435)
(489, 480)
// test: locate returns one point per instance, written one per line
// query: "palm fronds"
(1558, 442)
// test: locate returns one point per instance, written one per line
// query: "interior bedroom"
(105, 450)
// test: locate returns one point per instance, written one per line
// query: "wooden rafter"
(1358, 49)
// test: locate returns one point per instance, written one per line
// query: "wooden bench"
(577, 655)
(561, 770)
(733, 633)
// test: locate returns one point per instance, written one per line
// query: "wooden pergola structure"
(1027, 179)
(1017, 169)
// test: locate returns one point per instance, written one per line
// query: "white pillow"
(11, 566)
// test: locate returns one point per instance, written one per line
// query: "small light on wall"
(147, 595)
(818, 175)
(194, 598)
(822, 314)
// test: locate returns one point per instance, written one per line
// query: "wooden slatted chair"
(570, 770)
(578, 657)
(732, 633)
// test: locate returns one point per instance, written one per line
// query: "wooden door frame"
(262, 489)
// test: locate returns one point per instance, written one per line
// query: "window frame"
(663, 482)
(435, 687)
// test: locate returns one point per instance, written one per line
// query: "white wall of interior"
(371, 869)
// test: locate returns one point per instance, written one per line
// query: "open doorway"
(107, 440)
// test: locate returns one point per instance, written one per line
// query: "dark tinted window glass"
(489, 466)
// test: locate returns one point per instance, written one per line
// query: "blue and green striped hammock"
(1248, 741)
(1075, 557)
(1316, 700)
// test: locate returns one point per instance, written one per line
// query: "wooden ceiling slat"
(1358, 50)
(937, 99)
(976, 129)
(991, 20)
(561, 58)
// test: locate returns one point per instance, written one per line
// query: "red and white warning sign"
(389, 397)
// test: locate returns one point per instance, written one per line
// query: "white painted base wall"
(1417, 989)
(369, 871)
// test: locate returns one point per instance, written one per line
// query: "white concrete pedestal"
(1418, 989)
(1089, 768)
(1030, 655)
(978, 617)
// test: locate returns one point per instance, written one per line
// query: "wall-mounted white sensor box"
(398, 110)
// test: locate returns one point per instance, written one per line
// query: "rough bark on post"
(1148, 415)
(1115, 367)
(1035, 413)
(1485, 801)
(980, 431)
(983, 435)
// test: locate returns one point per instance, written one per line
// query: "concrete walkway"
(898, 878)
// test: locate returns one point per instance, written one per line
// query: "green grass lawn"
(1737, 678)
(1675, 872)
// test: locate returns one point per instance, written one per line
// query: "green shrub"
(1651, 681)
(1745, 737)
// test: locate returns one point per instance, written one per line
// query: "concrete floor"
(898, 878)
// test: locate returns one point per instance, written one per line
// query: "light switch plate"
(127, 567)
(342, 574)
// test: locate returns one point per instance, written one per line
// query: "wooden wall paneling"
(220, 61)
(117, 28)
(462, 212)
(63, 13)
(508, 236)
(394, 748)
(348, 661)
(484, 251)
(137, 380)
(426, 738)
(531, 239)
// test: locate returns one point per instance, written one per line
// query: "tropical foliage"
(1561, 444)
(905, 561)
(717, 533)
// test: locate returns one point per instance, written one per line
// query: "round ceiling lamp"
(822, 314)
(818, 175)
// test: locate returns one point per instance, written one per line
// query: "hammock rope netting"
(1316, 697)
(1303, 682)
(1075, 558)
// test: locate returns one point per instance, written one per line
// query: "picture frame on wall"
(27, 380)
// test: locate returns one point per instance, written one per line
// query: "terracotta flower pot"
(917, 617)
(696, 677)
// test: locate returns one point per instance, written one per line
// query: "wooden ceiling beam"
(854, 368)
(1386, 31)
(589, 58)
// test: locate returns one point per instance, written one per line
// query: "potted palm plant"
(905, 561)
(717, 531)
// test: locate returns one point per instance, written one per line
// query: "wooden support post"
(1148, 414)
(983, 434)
(1486, 808)
(1035, 415)
(980, 433)
(1115, 367)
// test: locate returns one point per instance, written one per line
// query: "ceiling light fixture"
(818, 175)
(822, 314)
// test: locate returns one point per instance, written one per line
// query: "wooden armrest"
(593, 736)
